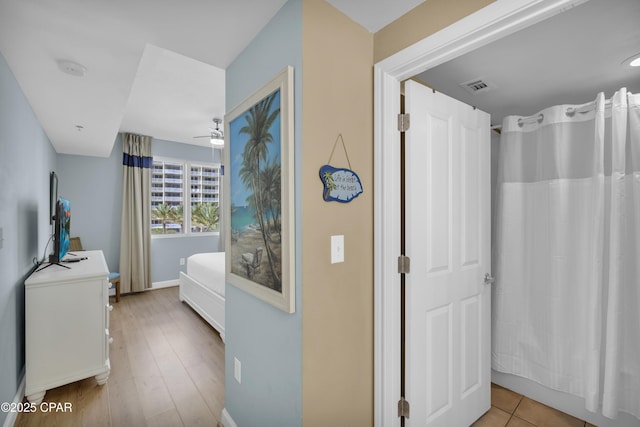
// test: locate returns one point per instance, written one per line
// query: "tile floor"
(510, 409)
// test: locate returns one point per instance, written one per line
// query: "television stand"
(53, 263)
(67, 326)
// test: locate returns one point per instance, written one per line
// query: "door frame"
(497, 20)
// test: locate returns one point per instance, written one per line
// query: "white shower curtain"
(567, 251)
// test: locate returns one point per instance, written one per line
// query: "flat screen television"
(53, 195)
(62, 227)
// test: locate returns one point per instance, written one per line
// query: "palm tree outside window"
(184, 197)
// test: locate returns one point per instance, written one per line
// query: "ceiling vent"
(478, 85)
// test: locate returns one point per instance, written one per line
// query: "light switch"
(337, 249)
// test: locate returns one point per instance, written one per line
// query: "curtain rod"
(571, 111)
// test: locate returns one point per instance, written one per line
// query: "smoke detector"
(478, 85)
(72, 68)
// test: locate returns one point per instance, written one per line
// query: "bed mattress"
(208, 269)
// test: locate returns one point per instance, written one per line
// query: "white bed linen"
(208, 269)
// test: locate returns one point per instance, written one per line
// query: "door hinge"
(404, 121)
(403, 408)
(404, 264)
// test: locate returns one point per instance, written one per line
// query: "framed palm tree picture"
(258, 194)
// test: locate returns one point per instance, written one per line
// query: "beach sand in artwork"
(247, 241)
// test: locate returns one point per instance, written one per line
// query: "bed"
(202, 287)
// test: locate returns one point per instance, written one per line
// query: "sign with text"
(340, 185)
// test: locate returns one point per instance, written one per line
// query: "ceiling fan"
(216, 135)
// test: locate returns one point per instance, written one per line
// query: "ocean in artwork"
(242, 217)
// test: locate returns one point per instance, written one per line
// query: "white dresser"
(67, 324)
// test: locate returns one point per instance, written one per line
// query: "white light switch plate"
(337, 249)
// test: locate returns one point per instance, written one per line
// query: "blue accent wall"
(267, 341)
(93, 186)
(26, 159)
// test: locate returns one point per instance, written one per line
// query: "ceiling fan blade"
(216, 133)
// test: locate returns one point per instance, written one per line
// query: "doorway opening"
(489, 24)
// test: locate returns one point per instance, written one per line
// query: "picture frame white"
(259, 230)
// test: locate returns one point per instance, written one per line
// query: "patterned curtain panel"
(135, 238)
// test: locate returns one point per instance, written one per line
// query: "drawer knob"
(110, 340)
(110, 308)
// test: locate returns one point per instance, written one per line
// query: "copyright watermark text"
(33, 407)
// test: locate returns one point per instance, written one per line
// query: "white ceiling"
(156, 67)
(174, 97)
(566, 59)
(153, 67)
(374, 14)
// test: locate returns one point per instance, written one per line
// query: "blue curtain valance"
(136, 161)
(136, 151)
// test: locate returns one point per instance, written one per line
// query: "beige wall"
(337, 299)
(424, 20)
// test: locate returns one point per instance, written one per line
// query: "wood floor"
(167, 369)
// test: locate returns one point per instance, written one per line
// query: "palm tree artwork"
(256, 189)
(329, 185)
(271, 198)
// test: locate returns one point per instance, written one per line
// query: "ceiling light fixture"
(632, 61)
(217, 136)
(72, 68)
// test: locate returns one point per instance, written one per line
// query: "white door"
(448, 319)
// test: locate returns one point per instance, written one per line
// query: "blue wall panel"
(26, 159)
(267, 341)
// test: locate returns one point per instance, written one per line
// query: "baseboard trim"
(165, 284)
(13, 416)
(226, 420)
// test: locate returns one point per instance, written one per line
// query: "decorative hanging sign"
(340, 184)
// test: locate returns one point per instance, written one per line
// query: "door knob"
(489, 279)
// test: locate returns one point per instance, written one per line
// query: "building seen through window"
(184, 197)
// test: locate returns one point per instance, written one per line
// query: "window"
(179, 210)
(205, 191)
